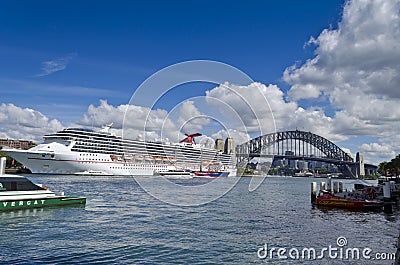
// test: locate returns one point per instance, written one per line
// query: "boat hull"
(70, 163)
(337, 202)
(175, 174)
(29, 203)
(206, 174)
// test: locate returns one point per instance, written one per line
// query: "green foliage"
(392, 167)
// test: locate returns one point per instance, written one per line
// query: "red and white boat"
(346, 200)
(210, 174)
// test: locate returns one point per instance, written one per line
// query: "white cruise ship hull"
(85, 152)
(53, 163)
(44, 163)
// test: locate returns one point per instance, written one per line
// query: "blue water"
(122, 224)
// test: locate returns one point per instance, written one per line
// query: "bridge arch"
(253, 148)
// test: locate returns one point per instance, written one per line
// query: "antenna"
(93, 117)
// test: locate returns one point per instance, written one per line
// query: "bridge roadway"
(297, 157)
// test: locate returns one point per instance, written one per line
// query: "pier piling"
(387, 208)
(397, 257)
(2, 165)
(313, 192)
(335, 187)
(322, 186)
(329, 184)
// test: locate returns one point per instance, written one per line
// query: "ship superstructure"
(79, 150)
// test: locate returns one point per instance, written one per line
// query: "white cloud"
(362, 54)
(205, 140)
(269, 105)
(190, 118)
(26, 124)
(130, 121)
(375, 147)
(239, 137)
(376, 152)
(133, 120)
(356, 67)
(52, 66)
(247, 106)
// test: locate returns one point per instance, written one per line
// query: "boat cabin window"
(17, 184)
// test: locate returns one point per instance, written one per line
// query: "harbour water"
(122, 224)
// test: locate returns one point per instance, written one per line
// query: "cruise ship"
(84, 151)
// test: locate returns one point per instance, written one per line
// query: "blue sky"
(116, 45)
(60, 57)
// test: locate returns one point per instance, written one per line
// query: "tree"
(392, 167)
(395, 165)
(384, 167)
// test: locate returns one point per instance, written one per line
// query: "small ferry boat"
(18, 192)
(179, 174)
(303, 174)
(346, 200)
(210, 174)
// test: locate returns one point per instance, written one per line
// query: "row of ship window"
(131, 165)
(135, 167)
(138, 160)
(134, 146)
(94, 159)
(185, 156)
(179, 156)
(144, 151)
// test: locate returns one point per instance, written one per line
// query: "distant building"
(229, 146)
(263, 166)
(17, 144)
(360, 164)
(277, 163)
(370, 169)
(219, 145)
(302, 165)
(293, 163)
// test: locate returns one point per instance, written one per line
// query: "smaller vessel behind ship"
(303, 174)
(210, 174)
(175, 174)
(213, 170)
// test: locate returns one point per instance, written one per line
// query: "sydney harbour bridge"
(301, 145)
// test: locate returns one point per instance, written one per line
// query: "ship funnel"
(2, 166)
(190, 138)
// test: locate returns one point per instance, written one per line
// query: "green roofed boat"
(18, 192)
